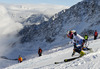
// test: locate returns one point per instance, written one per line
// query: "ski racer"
(77, 39)
(20, 59)
(86, 39)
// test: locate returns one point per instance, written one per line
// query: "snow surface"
(89, 61)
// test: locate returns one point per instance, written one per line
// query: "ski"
(67, 60)
(59, 62)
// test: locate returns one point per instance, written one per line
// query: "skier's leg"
(82, 53)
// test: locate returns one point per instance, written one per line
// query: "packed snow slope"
(89, 61)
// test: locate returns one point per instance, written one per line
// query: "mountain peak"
(91, 0)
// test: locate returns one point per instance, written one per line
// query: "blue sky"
(57, 2)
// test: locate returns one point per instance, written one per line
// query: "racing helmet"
(70, 34)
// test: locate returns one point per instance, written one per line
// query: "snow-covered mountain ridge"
(83, 17)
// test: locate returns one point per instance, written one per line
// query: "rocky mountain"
(36, 19)
(83, 17)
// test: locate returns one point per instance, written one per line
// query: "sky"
(57, 2)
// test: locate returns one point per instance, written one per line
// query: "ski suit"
(78, 50)
(78, 39)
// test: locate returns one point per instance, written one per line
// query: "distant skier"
(86, 39)
(40, 52)
(20, 59)
(78, 50)
(95, 34)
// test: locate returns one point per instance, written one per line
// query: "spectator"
(95, 35)
(40, 52)
(20, 59)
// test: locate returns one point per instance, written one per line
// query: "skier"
(95, 34)
(20, 59)
(40, 52)
(78, 50)
(86, 39)
(77, 39)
